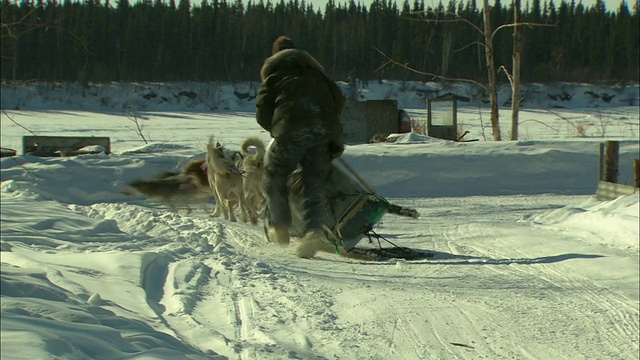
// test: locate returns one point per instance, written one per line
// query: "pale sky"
(612, 5)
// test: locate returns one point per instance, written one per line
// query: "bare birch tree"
(515, 83)
(488, 34)
(514, 77)
(516, 58)
(491, 71)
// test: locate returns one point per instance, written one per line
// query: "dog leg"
(250, 204)
(221, 204)
(216, 210)
(249, 215)
(251, 212)
(230, 213)
(241, 212)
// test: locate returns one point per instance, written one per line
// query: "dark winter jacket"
(296, 96)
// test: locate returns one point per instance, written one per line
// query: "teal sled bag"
(353, 208)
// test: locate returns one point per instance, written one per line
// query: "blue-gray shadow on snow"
(481, 260)
(422, 256)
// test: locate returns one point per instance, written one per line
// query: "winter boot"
(278, 235)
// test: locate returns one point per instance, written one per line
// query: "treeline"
(216, 40)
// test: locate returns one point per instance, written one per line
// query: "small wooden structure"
(636, 173)
(611, 191)
(609, 153)
(63, 145)
(608, 187)
(442, 118)
(362, 120)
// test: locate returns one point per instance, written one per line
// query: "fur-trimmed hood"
(293, 58)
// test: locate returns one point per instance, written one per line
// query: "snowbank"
(210, 96)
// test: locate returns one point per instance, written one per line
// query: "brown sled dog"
(175, 189)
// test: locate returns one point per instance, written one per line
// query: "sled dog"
(225, 180)
(252, 166)
(173, 190)
(197, 169)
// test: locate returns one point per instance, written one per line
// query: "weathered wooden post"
(601, 163)
(611, 162)
(636, 173)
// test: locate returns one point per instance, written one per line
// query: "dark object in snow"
(386, 254)
(463, 135)
(6, 152)
(378, 138)
(404, 122)
(403, 211)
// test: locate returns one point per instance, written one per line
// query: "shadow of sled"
(480, 260)
(381, 254)
(386, 254)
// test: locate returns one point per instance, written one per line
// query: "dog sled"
(353, 210)
(353, 207)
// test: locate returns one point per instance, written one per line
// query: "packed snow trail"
(502, 282)
(481, 296)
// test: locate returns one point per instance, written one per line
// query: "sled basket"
(352, 208)
(359, 219)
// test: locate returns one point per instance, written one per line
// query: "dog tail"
(258, 144)
(210, 158)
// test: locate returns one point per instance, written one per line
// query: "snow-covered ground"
(527, 263)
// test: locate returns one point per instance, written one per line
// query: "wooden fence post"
(636, 173)
(601, 163)
(611, 162)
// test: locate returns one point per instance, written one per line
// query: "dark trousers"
(310, 152)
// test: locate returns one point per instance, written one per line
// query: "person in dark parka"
(300, 106)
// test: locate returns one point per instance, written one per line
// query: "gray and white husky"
(226, 182)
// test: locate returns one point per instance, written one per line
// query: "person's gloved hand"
(335, 149)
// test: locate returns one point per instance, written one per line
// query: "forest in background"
(155, 40)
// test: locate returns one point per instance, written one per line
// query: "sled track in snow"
(212, 279)
(550, 284)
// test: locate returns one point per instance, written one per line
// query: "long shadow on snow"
(480, 260)
(442, 258)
